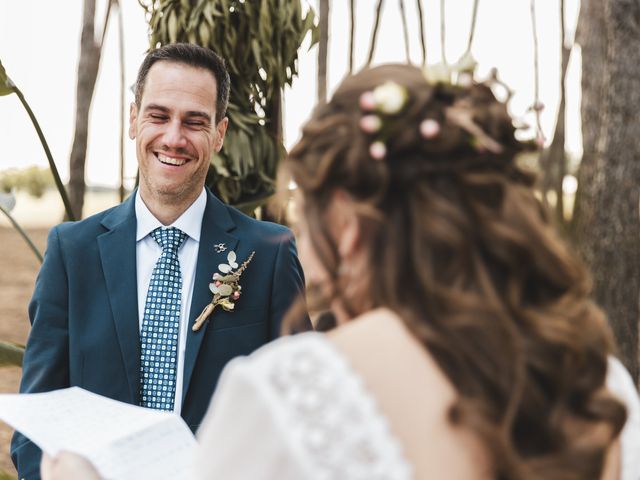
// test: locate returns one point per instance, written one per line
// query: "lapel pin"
(220, 247)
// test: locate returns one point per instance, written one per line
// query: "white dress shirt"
(147, 253)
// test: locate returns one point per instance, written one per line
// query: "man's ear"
(221, 129)
(347, 227)
(133, 116)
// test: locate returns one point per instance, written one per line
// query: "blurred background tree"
(606, 221)
(33, 180)
(91, 48)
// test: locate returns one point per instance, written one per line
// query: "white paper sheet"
(123, 441)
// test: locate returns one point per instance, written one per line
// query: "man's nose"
(174, 135)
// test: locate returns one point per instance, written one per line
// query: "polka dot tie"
(161, 319)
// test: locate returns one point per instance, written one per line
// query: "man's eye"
(155, 116)
(195, 123)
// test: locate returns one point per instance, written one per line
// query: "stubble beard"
(176, 195)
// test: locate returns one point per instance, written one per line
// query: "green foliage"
(7, 87)
(11, 354)
(259, 39)
(33, 180)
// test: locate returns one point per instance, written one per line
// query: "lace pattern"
(621, 384)
(331, 415)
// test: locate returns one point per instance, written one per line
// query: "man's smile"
(171, 160)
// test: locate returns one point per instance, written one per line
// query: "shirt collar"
(190, 222)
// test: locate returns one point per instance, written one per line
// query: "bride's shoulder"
(326, 345)
(380, 337)
(369, 326)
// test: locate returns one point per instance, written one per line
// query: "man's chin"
(173, 191)
(164, 192)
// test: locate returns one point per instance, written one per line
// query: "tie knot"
(169, 238)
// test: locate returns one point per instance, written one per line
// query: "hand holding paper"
(123, 441)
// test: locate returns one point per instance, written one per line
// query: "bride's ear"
(346, 226)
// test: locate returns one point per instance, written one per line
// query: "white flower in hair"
(389, 98)
(466, 63)
(437, 73)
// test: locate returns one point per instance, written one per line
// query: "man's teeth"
(171, 161)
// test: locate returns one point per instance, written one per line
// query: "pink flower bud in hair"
(367, 101)
(370, 123)
(429, 128)
(377, 150)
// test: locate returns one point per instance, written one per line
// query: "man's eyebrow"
(195, 113)
(154, 106)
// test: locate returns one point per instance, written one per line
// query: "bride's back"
(414, 396)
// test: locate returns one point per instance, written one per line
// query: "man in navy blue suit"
(88, 308)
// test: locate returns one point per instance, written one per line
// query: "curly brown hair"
(461, 249)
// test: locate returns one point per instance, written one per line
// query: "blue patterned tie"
(161, 319)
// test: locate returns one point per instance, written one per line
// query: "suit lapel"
(216, 225)
(118, 256)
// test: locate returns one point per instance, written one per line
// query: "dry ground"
(18, 269)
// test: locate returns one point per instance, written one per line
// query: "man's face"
(175, 131)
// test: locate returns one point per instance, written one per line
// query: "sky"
(40, 45)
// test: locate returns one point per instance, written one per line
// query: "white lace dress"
(296, 410)
(620, 383)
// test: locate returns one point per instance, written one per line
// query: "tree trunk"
(607, 222)
(554, 164)
(87, 74)
(273, 112)
(554, 160)
(323, 45)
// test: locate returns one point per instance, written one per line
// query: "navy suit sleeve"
(45, 366)
(287, 286)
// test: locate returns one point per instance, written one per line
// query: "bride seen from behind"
(467, 345)
(462, 316)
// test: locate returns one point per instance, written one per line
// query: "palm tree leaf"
(6, 85)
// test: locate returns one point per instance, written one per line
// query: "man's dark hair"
(195, 56)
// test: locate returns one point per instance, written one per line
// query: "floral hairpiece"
(461, 74)
(385, 100)
(388, 99)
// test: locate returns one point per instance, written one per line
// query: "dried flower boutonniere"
(226, 288)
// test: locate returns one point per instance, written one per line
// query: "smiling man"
(116, 299)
